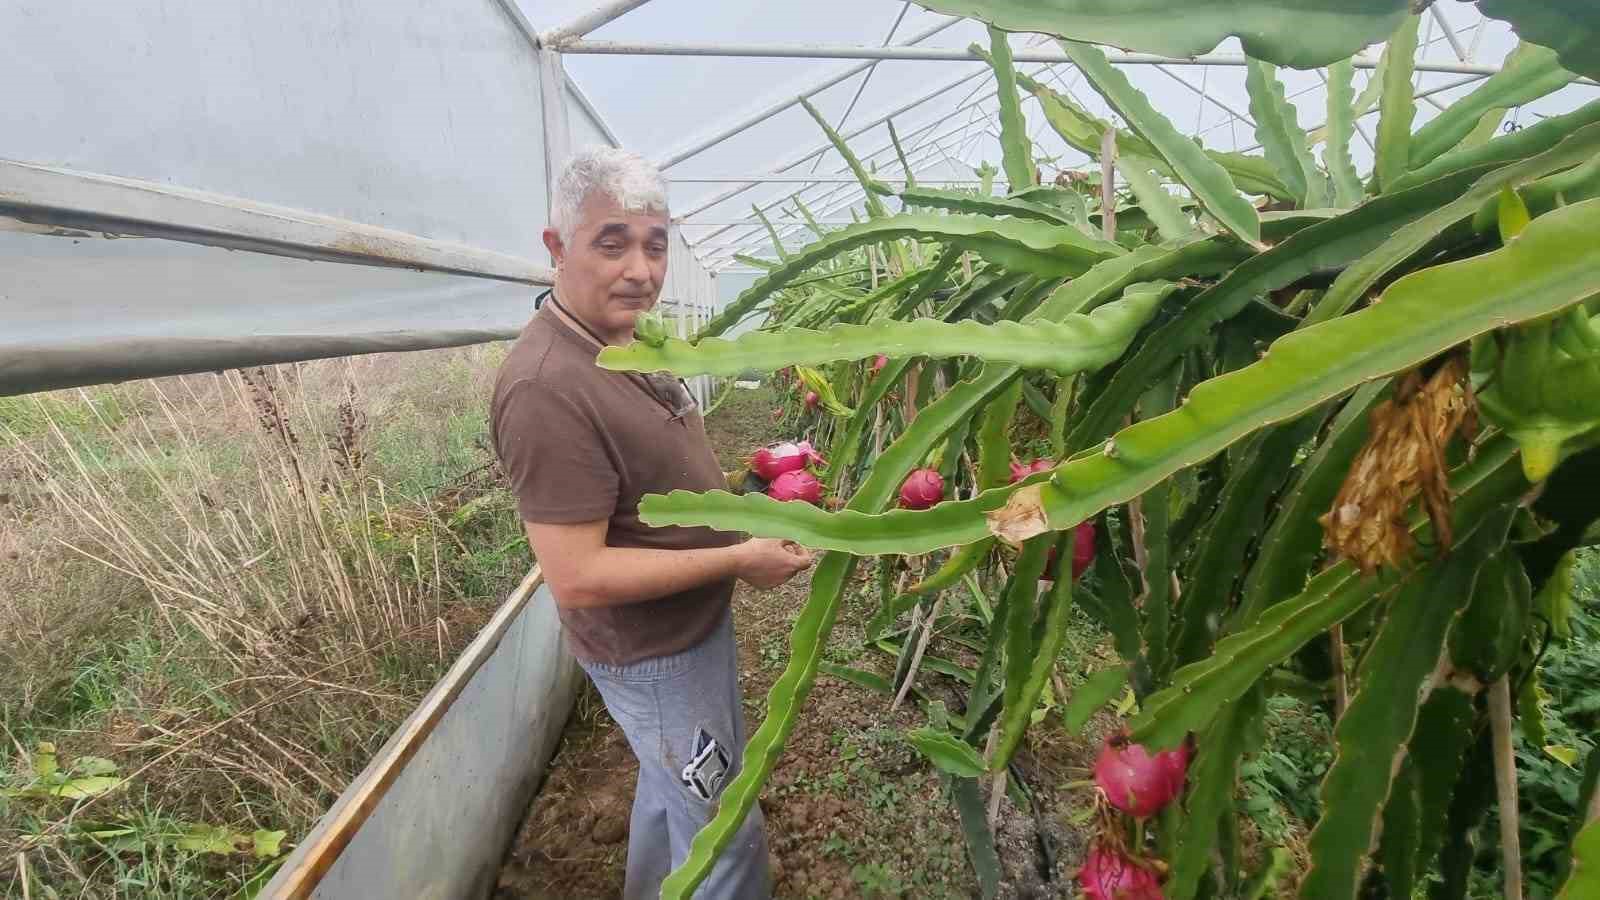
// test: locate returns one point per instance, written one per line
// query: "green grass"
(415, 455)
(30, 415)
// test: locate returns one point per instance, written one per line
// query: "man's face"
(612, 268)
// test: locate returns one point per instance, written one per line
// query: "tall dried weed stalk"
(305, 608)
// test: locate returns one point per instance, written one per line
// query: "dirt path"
(852, 809)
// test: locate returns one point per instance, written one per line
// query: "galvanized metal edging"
(311, 862)
(51, 200)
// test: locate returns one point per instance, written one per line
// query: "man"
(646, 610)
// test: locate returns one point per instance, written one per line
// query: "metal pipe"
(699, 144)
(1449, 33)
(1420, 95)
(794, 194)
(808, 179)
(825, 146)
(753, 230)
(556, 133)
(966, 103)
(845, 200)
(775, 222)
(73, 203)
(583, 101)
(756, 239)
(931, 144)
(849, 51)
(867, 78)
(1204, 96)
(835, 199)
(839, 199)
(917, 156)
(1472, 53)
(519, 21)
(557, 38)
(1421, 51)
(756, 233)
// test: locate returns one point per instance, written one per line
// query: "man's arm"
(583, 572)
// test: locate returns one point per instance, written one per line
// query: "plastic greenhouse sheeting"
(667, 101)
(426, 120)
(91, 310)
(413, 118)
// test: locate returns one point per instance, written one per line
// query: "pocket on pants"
(707, 767)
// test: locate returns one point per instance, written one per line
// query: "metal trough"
(431, 816)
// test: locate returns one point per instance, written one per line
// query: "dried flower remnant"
(263, 388)
(1021, 518)
(347, 444)
(1402, 459)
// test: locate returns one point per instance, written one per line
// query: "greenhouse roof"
(708, 89)
(385, 163)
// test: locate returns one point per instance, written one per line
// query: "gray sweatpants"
(683, 719)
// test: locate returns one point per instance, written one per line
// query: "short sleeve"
(553, 456)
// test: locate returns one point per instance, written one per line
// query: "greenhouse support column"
(557, 135)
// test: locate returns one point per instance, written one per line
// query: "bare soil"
(852, 809)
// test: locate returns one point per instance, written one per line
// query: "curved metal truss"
(1446, 47)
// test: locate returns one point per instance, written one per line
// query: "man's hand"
(768, 562)
(583, 572)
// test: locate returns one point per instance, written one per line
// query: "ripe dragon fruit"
(796, 485)
(1020, 471)
(921, 489)
(1136, 782)
(1109, 874)
(1082, 552)
(770, 462)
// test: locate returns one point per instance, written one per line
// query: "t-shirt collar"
(575, 328)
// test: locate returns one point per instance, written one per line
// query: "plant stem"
(1141, 556)
(1593, 812)
(1108, 184)
(1341, 688)
(912, 376)
(916, 657)
(1505, 783)
(997, 785)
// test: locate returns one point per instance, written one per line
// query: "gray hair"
(626, 177)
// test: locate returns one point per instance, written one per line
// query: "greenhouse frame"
(380, 184)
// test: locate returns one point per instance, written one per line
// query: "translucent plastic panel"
(418, 116)
(77, 311)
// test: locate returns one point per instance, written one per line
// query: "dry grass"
(233, 587)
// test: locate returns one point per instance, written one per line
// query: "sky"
(657, 104)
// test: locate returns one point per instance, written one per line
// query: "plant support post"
(1505, 783)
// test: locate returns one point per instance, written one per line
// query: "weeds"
(213, 585)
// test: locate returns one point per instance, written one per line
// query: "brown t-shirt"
(578, 444)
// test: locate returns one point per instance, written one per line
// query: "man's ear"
(552, 242)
